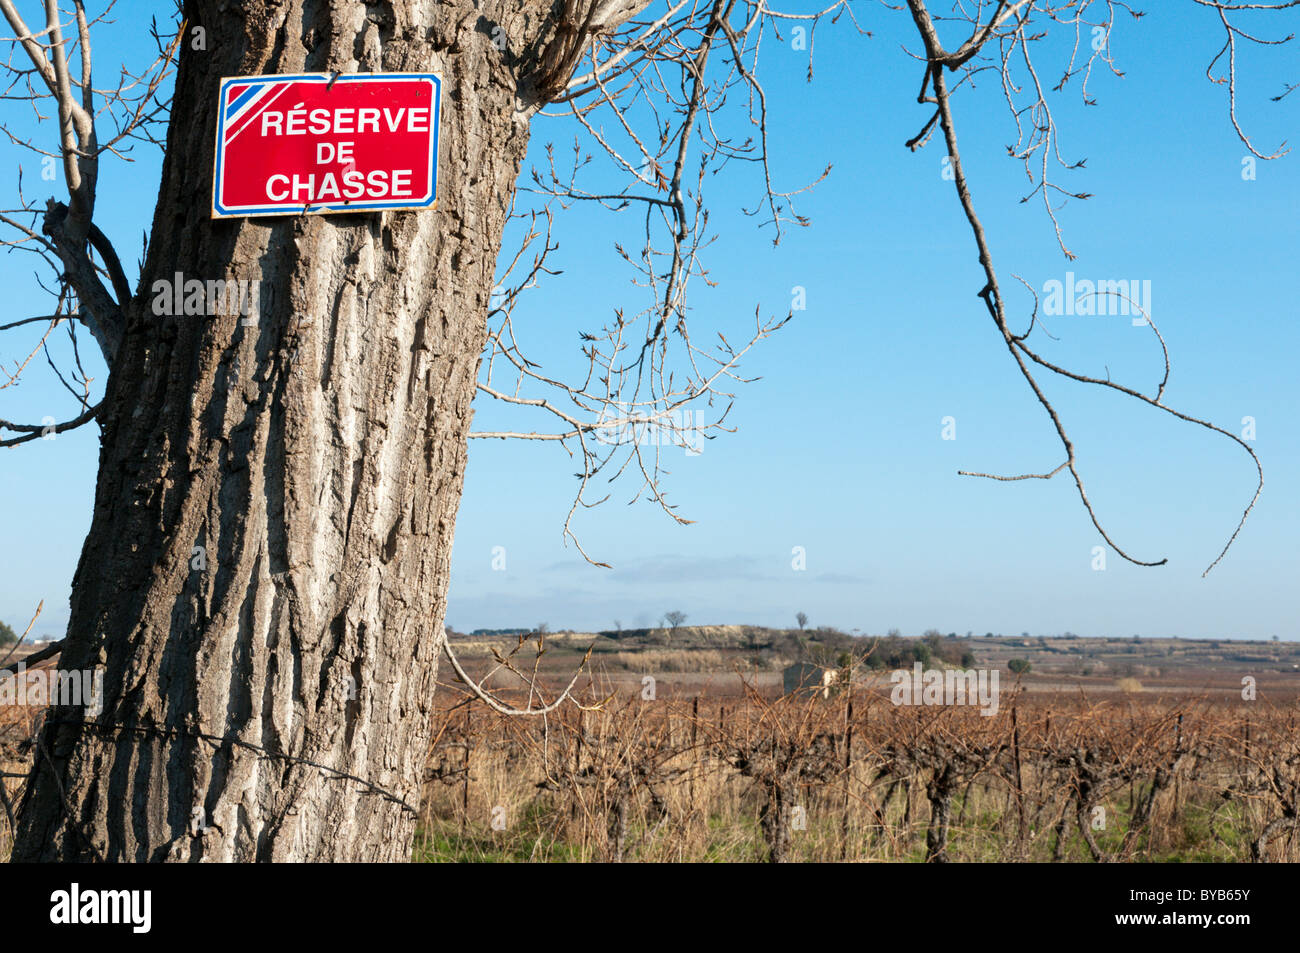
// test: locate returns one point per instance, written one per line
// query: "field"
(689, 752)
(789, 778)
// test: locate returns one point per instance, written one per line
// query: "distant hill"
(768, 648)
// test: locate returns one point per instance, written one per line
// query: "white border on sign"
(430, 201)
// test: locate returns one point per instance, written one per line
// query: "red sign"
(322, 143)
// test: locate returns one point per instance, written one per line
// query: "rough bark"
(275, 705)
(939, 791)
(774, 819)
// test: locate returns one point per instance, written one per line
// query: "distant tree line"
(894, 651)
(831, 646)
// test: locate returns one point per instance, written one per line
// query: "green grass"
(1208, 831)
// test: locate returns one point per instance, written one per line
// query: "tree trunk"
(774, 819)
(268, 696)
(616, 841)
(939, 791)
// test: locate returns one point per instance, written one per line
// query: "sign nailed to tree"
(322, 143)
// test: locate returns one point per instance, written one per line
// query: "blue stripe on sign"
(241, 99)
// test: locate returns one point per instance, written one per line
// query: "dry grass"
(759, 778)
(764, 778)
(668, 660)
(16, 724)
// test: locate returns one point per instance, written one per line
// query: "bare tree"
(802, 619)
(264, 580)
(1001, 42)
(674, 619)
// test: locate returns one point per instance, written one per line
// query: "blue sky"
(839, 447)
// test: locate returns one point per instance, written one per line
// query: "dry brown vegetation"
(621, 777)
(18, 726)
(763, 778)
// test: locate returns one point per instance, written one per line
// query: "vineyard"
(614, 776)
(791, 778)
